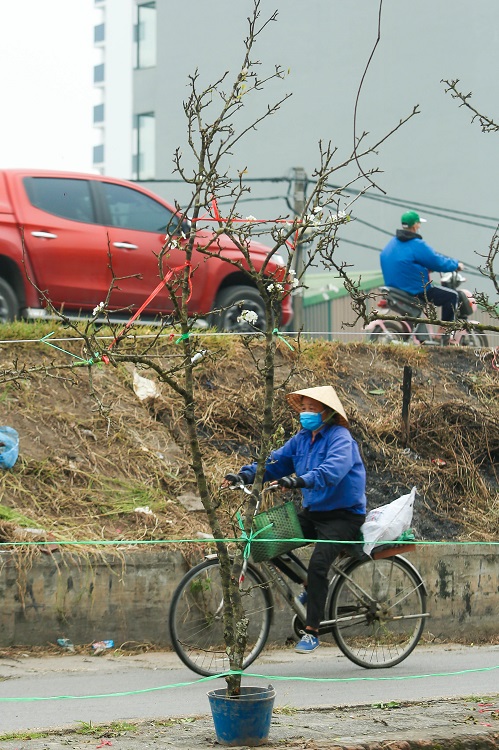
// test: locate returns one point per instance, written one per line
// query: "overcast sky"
(46, 83)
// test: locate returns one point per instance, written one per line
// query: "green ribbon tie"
(279, 336)
(248, 539)
(183, 337)
(45, 340)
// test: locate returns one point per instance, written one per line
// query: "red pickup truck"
(70, 223)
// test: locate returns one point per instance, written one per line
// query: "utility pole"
(299, 181)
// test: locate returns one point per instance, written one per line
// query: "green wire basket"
(285, 525)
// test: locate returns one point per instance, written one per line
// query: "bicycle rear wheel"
(196, 618)
(383, 633)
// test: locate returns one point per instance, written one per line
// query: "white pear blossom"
(336, 218)
(251, 218)
(275, 287)
(99, 308)
(248, 316)
(314, 218)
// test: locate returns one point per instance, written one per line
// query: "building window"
(145, 36)
(99, 33)
(99, 73)
(145, 146)
(99, 113)
(98, 154)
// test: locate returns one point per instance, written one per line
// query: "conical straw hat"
(325, 394)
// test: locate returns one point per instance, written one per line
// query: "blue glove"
(291, 483)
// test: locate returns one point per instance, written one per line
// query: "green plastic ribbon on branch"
(183, 337)
(280, 336)
(252, 535)
(92, 361)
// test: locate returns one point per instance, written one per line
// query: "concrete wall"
(126, 595)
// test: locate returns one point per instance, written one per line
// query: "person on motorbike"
(328, 468)
(407, 260)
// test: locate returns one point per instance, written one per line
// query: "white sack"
(388, 522)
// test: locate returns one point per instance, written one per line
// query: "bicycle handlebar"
(271, 488)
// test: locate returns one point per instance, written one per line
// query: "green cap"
(410, 218)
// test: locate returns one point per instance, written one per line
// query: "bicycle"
(375, 608)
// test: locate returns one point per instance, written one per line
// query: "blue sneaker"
(309, 642)
(302, 598)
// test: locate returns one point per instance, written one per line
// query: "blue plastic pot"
(244, 719)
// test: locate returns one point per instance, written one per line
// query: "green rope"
(137, 542)
(279, 678)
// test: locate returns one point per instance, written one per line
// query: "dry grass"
(91, 453)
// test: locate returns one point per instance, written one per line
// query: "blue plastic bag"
(9, 447)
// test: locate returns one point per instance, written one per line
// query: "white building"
(438, 163)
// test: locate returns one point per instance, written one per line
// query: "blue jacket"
(331, 467)
(406, 260)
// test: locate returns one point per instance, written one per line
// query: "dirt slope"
(92, 453)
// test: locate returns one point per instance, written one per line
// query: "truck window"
(130, 209)
(68, 198)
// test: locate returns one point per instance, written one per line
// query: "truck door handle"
(126, 245)
(45, 235)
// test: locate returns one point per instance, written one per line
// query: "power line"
(440, 211)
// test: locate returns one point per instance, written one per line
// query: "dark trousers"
(332, 524)
(440, 296)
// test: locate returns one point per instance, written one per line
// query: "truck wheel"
(9, 306)
(231, 302)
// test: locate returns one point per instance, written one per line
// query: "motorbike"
(395, 301)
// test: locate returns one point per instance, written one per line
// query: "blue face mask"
(310, 420)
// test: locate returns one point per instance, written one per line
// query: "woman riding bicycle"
(329, 470)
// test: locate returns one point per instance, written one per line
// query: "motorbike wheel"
(475, 340)
(392, 333)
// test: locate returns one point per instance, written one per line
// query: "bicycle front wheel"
(380, 611)
(196, 618)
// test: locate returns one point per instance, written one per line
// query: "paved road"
(429, 673)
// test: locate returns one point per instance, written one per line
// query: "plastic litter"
(9, 447)
(144, 388)
(66, 644)
(439, 462)
(146, 510)
(100, 646)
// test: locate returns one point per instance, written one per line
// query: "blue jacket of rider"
(407, 259)
(330, 465)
